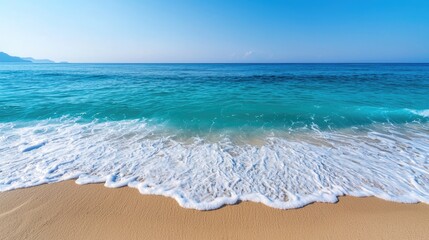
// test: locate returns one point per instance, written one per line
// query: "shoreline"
(66, 210)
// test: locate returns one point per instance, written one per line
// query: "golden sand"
(69, 211)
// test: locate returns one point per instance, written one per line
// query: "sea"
(208, 135)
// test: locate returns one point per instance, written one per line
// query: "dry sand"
(69, 211)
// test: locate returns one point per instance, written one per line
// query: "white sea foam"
(423, 113)
(285, 171)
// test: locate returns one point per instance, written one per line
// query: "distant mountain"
(4, 57)
(7, 58)
(38, 60)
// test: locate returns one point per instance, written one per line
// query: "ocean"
(207, 135)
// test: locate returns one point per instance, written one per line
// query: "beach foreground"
(69, 211)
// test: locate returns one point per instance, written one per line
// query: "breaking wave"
(279, 169)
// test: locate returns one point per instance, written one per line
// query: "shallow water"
(213, 134)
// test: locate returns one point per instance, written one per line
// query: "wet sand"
(69, 211)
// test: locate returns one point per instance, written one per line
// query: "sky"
(209, 31)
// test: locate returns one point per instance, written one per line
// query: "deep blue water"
(218, 96)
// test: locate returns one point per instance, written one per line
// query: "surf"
(281, 170)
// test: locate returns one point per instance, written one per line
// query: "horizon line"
(66, 62)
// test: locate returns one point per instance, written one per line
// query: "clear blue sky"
(216, 30)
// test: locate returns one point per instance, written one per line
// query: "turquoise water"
(204, 97)
(213, 134)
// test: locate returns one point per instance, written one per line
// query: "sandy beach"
(69, 211)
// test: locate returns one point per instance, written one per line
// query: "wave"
(279, 169)
(422, 113)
